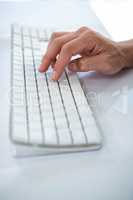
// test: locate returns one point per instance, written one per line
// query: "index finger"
(68, 50)
(53, 49)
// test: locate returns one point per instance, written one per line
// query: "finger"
(56, 35)
(46, 59)
(83, 64)
(53, 37)
(69, 49)
(53, 50)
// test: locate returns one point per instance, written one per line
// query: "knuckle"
(81, 64)
(82, 68)
(107, 69)
(89, 35)
(67, 49)
(110, 70)
(90, 32)
(57, 41)
(83, 28)
(54, 35)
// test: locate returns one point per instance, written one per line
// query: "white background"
(105, 174)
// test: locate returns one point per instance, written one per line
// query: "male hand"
(97, 53)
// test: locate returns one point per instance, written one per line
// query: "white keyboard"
(45, 113)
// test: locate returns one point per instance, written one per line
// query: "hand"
(97, 53)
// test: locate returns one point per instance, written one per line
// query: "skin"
(97, 53)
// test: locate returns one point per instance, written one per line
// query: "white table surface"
(105, 174)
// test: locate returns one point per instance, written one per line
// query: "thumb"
(83, 64)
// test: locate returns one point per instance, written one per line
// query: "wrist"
(126, 49)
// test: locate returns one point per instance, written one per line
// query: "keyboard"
(44, 113)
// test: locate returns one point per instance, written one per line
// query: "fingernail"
(40, 68)
(54, 76)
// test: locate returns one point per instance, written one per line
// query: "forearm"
(127, 49)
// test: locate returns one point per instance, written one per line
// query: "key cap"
(72, 113)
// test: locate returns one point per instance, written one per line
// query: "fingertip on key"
(41, 68)
(54, 76)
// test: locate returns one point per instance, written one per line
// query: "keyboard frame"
(64, 148)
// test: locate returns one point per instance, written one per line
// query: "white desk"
(105, 174)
